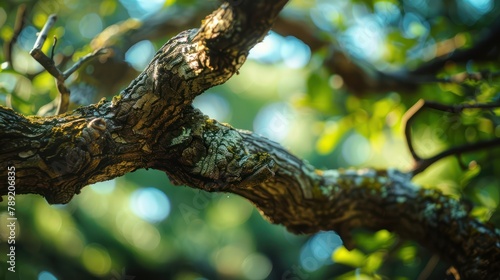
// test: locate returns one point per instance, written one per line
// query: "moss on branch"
(151, 124)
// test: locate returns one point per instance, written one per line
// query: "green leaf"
(354, 258)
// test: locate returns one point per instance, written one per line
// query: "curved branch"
(151, 124)
(108, 139)
(18, 27)
(291, 192)
(484, 48)
(423, 163)
(50, 66)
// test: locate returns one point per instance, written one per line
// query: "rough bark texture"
(151, 124)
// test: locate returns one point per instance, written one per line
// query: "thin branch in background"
(459, 150)
(483, 48)
(406, 122)
(83, 60)
(459, 108)
(53, 49)
(452, 272)
(463, 165)
(49, 65)
(429, 267)
(460, 78)
(39, 56)
(422, 163)
(18, 27)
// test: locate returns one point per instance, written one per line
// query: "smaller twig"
(462, 163)
(39, 56)
(53, 49)
(459, 108)
(429, 267)
(406, 123)
(49, 65)
(42, 36)
(83, 60)
(64, 94)
(18, 27)
(458, 78)
(424, 163)
(420, 163)
(469, 76)
(63, 61)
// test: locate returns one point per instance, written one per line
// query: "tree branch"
(484, 48)
(151, 124)
(291, 192)
(420, 163)
(18, 27)
(49, 65)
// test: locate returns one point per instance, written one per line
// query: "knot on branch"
(76, 158)
(220, 161)
(93, 136)
(213, 157)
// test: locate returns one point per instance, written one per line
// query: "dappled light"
(317, 252)
(336, 83)
(141, 8)
(96, 259)
(140, 54)
(288, 50)
(273, 121)
(150, 204)
(356, 149)
(214, 105)
(45, 275)
(90, 25)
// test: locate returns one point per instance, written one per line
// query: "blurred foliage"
(114, 231)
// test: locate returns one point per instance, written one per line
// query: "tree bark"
(151, 124)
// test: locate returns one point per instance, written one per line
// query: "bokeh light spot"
(45, 275)
(268, 50)
(96, 259)
(273, 121)
(414, 26)
(294, 52)
(140, 54)
(105, 187)
(256, 267)
(365, 40)
(229, 213)
(90, 25)
(356, 149)
(214, 106)
(145, 236)
(481, 6)
(150, 204)
(318, 250)
(142, 8)
(47, 219)
(229, 260)
(27, 38)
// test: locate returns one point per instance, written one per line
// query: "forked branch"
(50, 66)
(423, 163)
(151, 124)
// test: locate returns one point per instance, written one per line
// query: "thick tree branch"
(289, 191)
(152, 124)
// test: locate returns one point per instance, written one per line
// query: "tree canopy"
(406, 87)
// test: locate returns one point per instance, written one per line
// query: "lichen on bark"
(151, 124)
